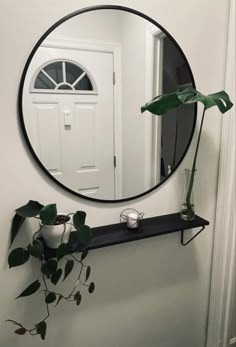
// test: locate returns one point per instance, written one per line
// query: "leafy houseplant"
(51, 270)
(161, 104)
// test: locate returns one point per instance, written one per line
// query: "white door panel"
(73, 134)
(48, 147)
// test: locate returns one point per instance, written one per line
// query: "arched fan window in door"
(63, 77)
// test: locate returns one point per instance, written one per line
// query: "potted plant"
(161, 104)
(53, 270)
(53, 235)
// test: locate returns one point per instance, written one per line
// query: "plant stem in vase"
(188, 208)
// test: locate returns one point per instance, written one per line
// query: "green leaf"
(59, 299)
(78, 301)
(31, 209)
(77, 295)
(84, 254)
(31, 289)
(88, 271)
(52, 265)
(48, 214)
(63, 250)
(49, 267)
(56, 276)
(220, 99)
(79, 219)
(20, 331)
(17, 222)
(68, 268)
(41, 329)
(18, 257)
(78, 298)
(91, 287)
(36, 249)
(44, 269)
(50, 298)
(84, 234)
(163, 103)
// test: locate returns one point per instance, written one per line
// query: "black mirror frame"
(20, 97)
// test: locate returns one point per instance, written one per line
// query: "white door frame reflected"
(153, 125)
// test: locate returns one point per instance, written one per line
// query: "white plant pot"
(52, 234)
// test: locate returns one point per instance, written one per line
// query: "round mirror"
(80, 103)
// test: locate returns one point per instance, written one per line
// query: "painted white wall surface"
(151, 292)
(92, 26)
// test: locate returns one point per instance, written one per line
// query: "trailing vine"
(51, 269)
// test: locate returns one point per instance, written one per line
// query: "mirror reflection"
(81, 103)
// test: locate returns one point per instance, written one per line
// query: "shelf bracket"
(186, 243)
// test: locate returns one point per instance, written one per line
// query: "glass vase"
(188, 208)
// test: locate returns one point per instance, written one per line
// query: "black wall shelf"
(109, 235)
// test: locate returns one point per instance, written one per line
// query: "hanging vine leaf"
(52, 266)
(63, 250)
(84, 254)
(49, 267)
(88, 271)
(91, 287)
(36, 249)
(31, 209)
(56, 276)
(31, 289)
(50, 298)
(84, 234)
(59, 299)
(17, 257)
(68, 268)
(41, 329)
(78, 298)
(17, 222)
(48, 214)
(79, 219)
(20, 331)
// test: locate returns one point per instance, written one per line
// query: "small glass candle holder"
(132, 218)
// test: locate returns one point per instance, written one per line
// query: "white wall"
(82, 27)
(149, 293)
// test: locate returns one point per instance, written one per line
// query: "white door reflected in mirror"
(81, 102)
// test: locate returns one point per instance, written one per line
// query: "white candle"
(132, 220)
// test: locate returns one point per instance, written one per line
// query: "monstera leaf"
(161, 104)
